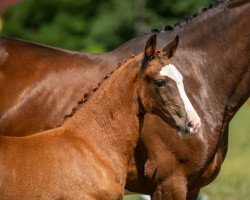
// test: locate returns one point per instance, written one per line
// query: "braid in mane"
(215, 4)
(87, 95)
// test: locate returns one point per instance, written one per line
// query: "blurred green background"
(92, 26)
(102, 25)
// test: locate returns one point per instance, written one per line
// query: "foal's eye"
(159, 83)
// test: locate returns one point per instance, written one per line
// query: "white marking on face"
(172, 72)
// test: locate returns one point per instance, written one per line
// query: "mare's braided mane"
(183, 22)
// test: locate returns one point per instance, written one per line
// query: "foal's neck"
(110, 118)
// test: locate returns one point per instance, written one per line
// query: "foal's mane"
(88, 94)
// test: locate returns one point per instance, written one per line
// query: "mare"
(213, 57)
(88, 157)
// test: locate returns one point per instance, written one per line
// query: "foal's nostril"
(191, 124)
(182, 129)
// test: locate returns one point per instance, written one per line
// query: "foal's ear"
(149, 49)
(170, 49)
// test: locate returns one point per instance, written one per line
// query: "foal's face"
(162, 92)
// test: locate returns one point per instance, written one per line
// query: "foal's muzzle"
(189, 127)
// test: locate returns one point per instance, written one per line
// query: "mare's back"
(40, 85)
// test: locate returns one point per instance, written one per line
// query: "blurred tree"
(93, 26)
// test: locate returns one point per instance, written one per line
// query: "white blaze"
(172, 72)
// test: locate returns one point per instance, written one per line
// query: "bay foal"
(88, 157)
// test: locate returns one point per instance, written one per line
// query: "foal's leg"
(174, 188)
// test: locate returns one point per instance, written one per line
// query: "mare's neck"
(110, 118)
(215, 47)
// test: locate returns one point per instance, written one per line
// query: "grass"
(233, 182)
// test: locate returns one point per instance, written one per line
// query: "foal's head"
(162, 90)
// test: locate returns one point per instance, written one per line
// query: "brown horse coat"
(213, 57)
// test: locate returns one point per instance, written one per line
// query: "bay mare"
(88, 157)
(213, 57)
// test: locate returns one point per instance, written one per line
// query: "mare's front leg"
(173, 188)
(193, 195)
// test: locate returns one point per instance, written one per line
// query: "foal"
(87, 157)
